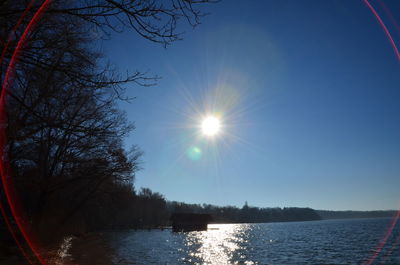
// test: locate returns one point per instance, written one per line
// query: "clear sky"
(308, 95)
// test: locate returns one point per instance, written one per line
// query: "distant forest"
(151, 210)
(324, 214)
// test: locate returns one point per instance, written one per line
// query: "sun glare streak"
(209, 119)
(211, 126)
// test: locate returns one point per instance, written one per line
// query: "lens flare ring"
(4, 167)
(383, 241)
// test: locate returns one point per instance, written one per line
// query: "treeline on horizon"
(147, 209)
(246, 214)
(327, 214)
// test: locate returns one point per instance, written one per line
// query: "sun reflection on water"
(221, 244)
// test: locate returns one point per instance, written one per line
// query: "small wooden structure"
(190, 222)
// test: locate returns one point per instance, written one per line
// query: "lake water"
(352, 241)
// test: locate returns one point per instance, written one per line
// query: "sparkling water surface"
(352, 241)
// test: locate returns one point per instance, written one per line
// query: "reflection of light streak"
(385, 29)
(4, 167)
(218, 245)
(382, 243)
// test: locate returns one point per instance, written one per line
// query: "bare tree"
(65, 131)
(155, 20)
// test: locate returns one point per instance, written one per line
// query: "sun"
(211, 126)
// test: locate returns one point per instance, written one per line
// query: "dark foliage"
(65, 132)
(246, 214)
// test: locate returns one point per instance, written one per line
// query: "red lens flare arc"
(382, 243)
(4, 166)
(389, 231)
(390, 16)
(385, 29)
(13, 234)
(15, 29)
(4, 171)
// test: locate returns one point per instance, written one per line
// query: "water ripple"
(320, 242)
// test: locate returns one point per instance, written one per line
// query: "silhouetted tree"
(65, 132)
(64, 129)
(152, 206)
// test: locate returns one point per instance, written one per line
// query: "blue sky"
(308, 93)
